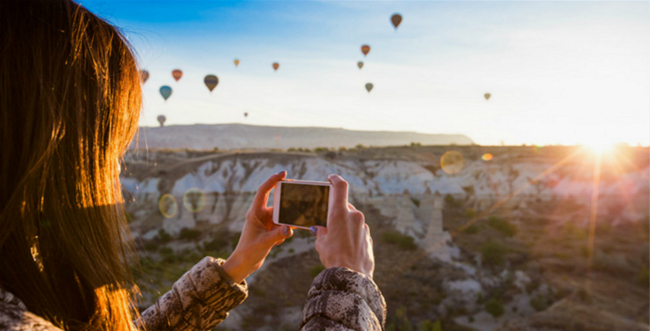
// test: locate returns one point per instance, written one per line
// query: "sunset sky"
(558, 72)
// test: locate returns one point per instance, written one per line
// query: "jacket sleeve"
(199, 300)
(341, 299)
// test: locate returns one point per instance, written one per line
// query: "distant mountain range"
(240, 136)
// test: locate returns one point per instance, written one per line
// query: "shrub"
(503, 226)
(291, 149)
(342, 149)
(539, 303)
(321, 149)
(493, 253)
(217, 244)
(167, 255)
(188, 234)
(416, 202)
(150, 246)
(449, 199)
(470, 212)
(401, 240)
(472, 229)
(163, 237)
(494, 307)
(427, 325)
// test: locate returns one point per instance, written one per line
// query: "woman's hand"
(346, 241)
(260, 234)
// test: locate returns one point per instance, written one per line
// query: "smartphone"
(301, 204)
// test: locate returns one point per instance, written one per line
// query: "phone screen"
(304, 205)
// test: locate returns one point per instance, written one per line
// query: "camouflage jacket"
(339, 299)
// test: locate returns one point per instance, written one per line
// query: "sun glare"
(600, 146)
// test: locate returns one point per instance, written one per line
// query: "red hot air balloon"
(365, 49)
(177, 74)
(396, 19)
(276, 66)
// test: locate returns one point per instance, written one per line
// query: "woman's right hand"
(346, 241)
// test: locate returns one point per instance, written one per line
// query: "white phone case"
(276, 199)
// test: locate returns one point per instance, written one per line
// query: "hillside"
(511, 242)
(240, 136)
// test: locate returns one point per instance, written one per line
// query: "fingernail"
(313, 230)
(287, 231)
(279, 173)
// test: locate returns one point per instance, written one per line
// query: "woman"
(69, 105)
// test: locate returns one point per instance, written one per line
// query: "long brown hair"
(69, 105)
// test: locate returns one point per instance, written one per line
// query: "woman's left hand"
(260, 234)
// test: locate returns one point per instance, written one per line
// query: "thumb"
(318, 231)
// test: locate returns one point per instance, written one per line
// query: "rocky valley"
(466, 237)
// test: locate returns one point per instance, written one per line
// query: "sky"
(558, 72)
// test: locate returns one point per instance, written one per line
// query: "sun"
(599, 145)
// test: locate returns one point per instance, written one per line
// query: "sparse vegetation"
(472, 229)
(470, 213)
(163, 237)
(539, 302)
(403, 241)
(493, 253)
(502, 225)
(428, 325)
(189, 234)
(416, 202)
(321, 149)
(450, 201)
(494, 307)
(315, 270)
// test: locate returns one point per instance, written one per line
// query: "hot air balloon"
(360, 64)
(165, 91)
(276, 66)
(177, 74)
(236, 62)
(245, 114)
(369, 87)
(487, 96)
(396, 19)
(161, 120)
(365, 49)
(211, 82)
(144, 75)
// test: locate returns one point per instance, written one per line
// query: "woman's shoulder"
(15, 317)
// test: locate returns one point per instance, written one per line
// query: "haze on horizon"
(558, 72)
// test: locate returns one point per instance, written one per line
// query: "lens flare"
(452, 162)
(194, 200)
(487, 157)
(168, 206)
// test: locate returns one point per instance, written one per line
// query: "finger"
(263, 191)
(318, 231)
(351, 206)
(339, 191)
(278, 235)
